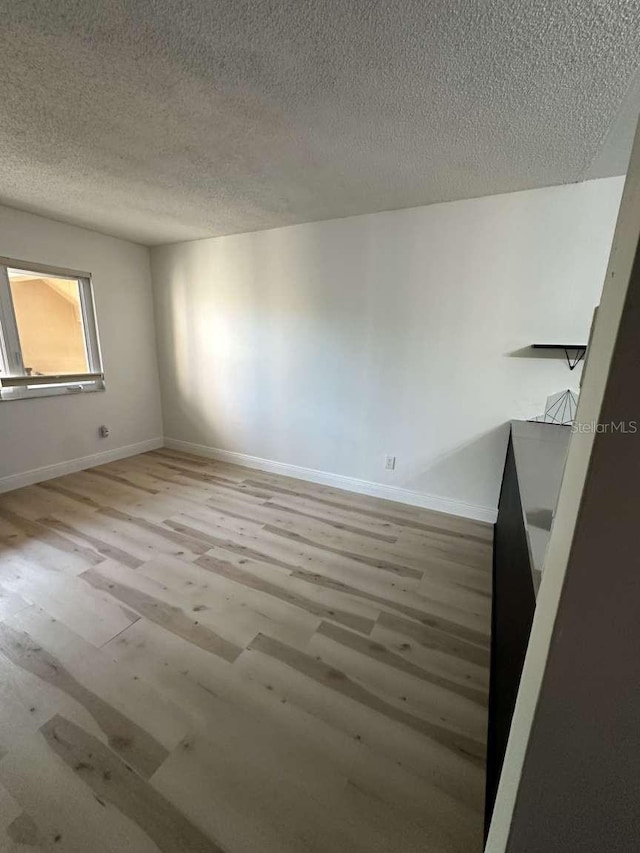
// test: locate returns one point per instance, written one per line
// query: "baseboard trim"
(338, 481)
(48, 472)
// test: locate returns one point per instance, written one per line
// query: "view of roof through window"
(49, 318)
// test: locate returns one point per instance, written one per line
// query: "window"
(48, 334)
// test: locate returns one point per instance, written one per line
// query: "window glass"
(48, 315)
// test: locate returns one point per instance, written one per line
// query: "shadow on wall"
(528, 352)
(228, 386)
(264, 361)
(273, 357)
(194, 379)
(467, 469)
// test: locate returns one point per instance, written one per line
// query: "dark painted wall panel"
(512, 615)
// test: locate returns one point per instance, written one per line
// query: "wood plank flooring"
(200, 657)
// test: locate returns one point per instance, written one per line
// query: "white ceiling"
(165, 120)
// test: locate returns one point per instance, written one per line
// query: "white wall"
(331, 344)
(47, 433)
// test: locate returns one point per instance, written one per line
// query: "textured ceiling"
(165, 120)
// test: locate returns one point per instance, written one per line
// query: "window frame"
(15, 383)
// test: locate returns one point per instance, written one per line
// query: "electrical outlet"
(390, 463)
(103, 431)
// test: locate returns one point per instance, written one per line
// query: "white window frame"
(15, 383)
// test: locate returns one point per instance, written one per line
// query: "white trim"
(338, 481)
(33, 392)
(48, 472)
(45, 269)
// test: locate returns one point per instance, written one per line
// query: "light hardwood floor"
(200, 657)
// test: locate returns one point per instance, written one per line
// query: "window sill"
(31, 391)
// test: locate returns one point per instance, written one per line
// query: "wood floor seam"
(198, 657)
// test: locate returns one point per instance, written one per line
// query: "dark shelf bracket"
(577, 358)
(578, 350)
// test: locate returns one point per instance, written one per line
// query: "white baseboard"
(338, 481)
(48, 472)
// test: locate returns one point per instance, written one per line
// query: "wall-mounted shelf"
(574, 360)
